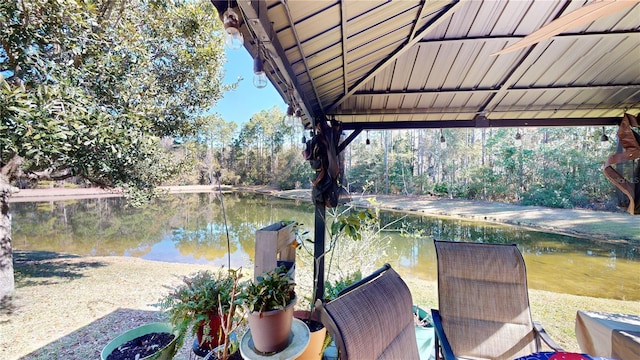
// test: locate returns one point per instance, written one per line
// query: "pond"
(189, 228)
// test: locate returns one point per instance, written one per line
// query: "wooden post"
(273, 243)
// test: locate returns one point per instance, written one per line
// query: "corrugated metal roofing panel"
(360, 56)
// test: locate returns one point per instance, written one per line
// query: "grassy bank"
(70, 307)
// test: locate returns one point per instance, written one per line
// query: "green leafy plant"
(333, 288)
(200, 295)
(273, 290)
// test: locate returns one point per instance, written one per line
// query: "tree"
(88, 89)
(259, 145)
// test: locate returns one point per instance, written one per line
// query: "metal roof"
(410, 63)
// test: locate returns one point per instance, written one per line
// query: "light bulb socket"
(259, 77)
(233, 38)
(518, 136)
(257, 65)
(289, 111)
(442, 139)
(231, 21)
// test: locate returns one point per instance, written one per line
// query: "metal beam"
(319, 250)
(442, 15)
(343, 145)
(502, 38)
(447, 124)
(345, 53)
(382, 93)
(513, 74)
(302, 57)
(258, 23)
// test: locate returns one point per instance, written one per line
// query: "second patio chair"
(483, 303)
(373, 319)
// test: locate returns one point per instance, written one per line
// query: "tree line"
(553, 167)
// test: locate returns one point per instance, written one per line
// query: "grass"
(68, 307)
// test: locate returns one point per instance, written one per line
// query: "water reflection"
(189, 228)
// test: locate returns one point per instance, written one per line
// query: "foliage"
(333, 288)
(295, 172)
(273, 290)
(88, 89)
(199, 295)
(550, 167)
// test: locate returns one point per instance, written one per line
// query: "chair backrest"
(373, 319)
(483, 300)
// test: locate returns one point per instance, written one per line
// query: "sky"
(240, 104)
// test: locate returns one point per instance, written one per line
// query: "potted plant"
(269, 302)
(155, 341)
(202, 302)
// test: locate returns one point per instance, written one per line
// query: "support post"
(318, 250)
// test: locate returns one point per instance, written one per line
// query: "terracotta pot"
(318, 333)
(270, 330)
(215, 324)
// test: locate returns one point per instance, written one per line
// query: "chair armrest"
(542, 334)
(441, 337)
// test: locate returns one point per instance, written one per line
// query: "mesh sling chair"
(372, 319)
(484, 303)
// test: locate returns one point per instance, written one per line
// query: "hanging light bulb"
(233, 38)
(298, 115)
(518, 138)
(368, 142)
(259, 77)
(443, 141)
(290, 118)
(604, 137)
(604, 140)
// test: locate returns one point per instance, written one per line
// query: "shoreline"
(595, 225)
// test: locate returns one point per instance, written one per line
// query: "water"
(189, 228)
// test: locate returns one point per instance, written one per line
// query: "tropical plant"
(198, 297)
(273, 290)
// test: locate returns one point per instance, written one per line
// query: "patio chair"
(372, 319)
(484, 303)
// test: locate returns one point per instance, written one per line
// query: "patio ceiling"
(430, 64)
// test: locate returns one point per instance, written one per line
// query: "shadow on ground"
(29, 269)
(88, 341)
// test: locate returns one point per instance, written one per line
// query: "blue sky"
(239, 105)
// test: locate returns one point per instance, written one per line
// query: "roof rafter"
(493, 90)
(480, 123)
(258, 23)
(442, 15)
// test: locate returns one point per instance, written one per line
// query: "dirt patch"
(68, 307)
